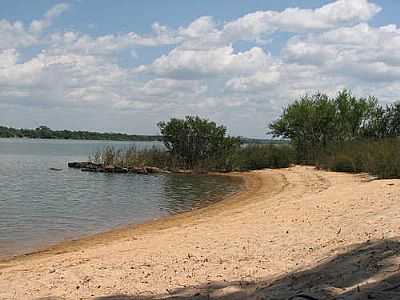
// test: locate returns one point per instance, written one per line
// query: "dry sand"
(296, 231)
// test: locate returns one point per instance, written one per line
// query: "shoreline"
(293, 231)
(246, 183)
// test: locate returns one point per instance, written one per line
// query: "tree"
(313, 122)
(197, 142)
(309, 123)
(384, 122)
(352, 115)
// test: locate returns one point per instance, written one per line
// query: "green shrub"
(249, 157)
(377, 157)
(254, 157)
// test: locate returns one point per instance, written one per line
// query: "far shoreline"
(78, 140)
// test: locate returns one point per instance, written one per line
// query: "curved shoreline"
(249, 184)
(291, 231)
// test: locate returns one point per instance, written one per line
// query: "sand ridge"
(295, 231)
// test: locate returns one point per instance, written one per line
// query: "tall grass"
(377, 157)
(255, 157)
(134, 157)
(250, 157)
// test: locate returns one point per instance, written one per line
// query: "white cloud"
(73, 42)
(258, 81)
(185, 63)
(199, 28)
(331, 47)
(361, 52)
(18, 35)
(15, 35)
(37, 26)
(255, 25)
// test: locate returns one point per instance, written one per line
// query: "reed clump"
(377, 157)
(131, 157)
(246, 157)
(255, 157)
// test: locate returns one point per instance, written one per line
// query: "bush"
(248, 157)
(377, 157)
(255, 157)
(132, 157)
(198, 143)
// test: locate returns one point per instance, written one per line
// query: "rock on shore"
(93, 167)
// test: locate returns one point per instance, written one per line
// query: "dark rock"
(114, 169)
(90, 170)
(84, 164)
(76, 165)
(55, 169)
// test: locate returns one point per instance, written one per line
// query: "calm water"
(39, 207)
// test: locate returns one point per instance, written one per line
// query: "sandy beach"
(296, 231)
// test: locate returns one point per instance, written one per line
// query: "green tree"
(352, 115)
(198, 142)
(384, 122)
(309, 123)
(314, 122)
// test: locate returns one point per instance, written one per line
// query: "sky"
(125, 65)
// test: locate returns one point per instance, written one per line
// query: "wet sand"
(292, 231)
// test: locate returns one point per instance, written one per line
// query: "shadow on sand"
(365, 271)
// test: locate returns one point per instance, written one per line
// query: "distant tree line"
(44, 132)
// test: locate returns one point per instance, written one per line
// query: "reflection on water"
(184, 191)
(40, 207)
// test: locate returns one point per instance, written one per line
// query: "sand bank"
(292, 231)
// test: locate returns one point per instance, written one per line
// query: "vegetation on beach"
(200, 145)
(132, 157)
(343, 133)
(377, 157)
(244, 158)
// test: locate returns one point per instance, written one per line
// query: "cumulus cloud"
(203, 72)
(37, 26)
(18, 35)
(254, 26)
(109, 44)
(254, 83)
(15, 35)
(360, 52)
(185, 63)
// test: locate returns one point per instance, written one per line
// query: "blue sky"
(125, 65)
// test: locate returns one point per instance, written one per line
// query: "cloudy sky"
(125, 65)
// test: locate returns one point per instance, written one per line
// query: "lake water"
(40, 207)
